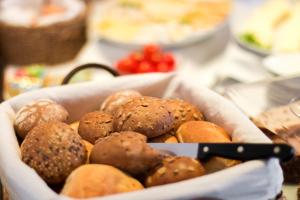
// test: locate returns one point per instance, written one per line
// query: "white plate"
(283, 65)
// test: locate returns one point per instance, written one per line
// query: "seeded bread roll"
(95, 125)
(114, 101)
(174, 169)
(94, 180)
(183, 112)
(53, 150)
(147, 115)
(166, 138)
(201, 131)
(127, 151)
(38, 112)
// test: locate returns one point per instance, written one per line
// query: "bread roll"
(53, 150)
(127, 151)
(215, 164)
(38, 112)
(116, 100)
(94, 180)
(201, 131)
(183, 112)
(174, 169)
(166, 138)
(95, 125)
(147, 115)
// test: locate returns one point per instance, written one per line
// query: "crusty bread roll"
(201, 131)
(94, 180)
(95, 125)
(215, 164)
(38, 112)
(166, 138)
(127, 151)
(53, 150)
(147, 115)
(174, 169)
(114, 101)
(183, 112)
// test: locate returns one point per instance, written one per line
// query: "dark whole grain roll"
(38, 112)
(147, 115)
(183, 112)
(127, 151)
(95, 125)
(53, 150)
(116, 100)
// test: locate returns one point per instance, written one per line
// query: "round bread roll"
(53, 150)
(201, 131)
(166, 138)
(94, 180)
(114, 101)
(215, 164)
(183, 112)
(127, 151)
(147, 115)
(174, 169)
(95, 125)
(38, 112)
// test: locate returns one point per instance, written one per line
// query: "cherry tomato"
(145, 67)
(156, 57)
(151, 49)
(169, 59)
(136, 56)
(126, 65)
(163, 67)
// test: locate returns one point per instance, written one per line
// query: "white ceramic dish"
(283, 65)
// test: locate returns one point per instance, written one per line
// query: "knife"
(236, 151)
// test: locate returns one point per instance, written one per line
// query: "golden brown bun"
(95, 125)
(147, 115)
(214, 164)
(201, 131)
(75, 125)
(89, 148)
(38, 112)
(183, 112)
(175, 169)
(94, 180)
(166, 138)
(114, 101)
(127, 151)
(53, 150)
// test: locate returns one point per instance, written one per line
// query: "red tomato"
(163, 67)
(151, 49)
(145, 67)
(126, 65)
(169, 59)
(136, 56)
(156, 58)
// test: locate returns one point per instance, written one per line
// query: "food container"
(258, 179)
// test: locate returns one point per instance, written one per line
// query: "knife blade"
(236, 151)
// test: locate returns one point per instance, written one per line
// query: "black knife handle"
(244, 152)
